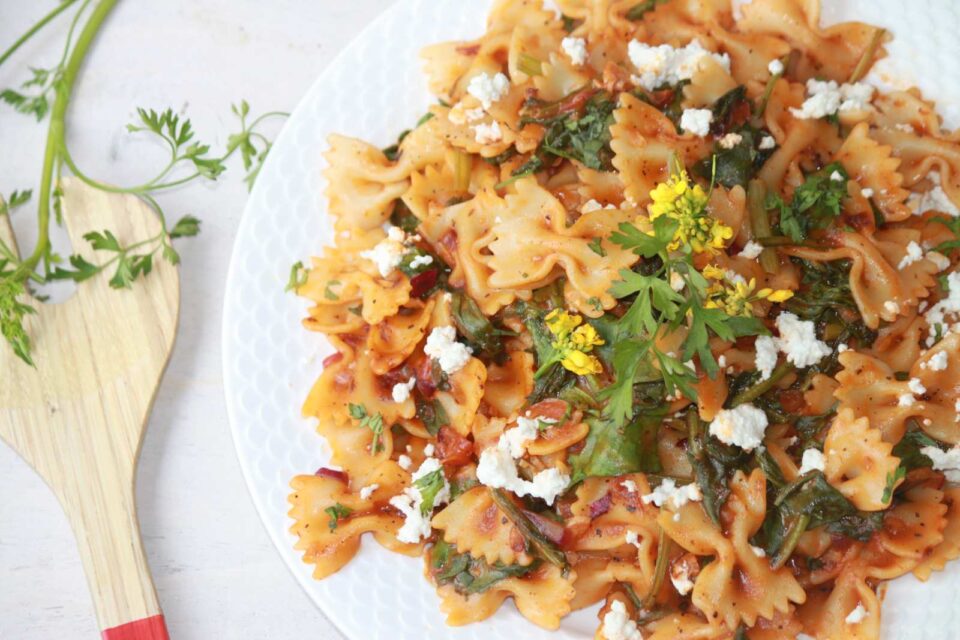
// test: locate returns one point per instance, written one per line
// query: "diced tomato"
(601, 506)
(421, 283)
(452, 448)
(552, 408)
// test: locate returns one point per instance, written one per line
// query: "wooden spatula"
(78, 417)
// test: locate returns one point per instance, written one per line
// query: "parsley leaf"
(12, 315)
(637, 11)
(336, 513)
(429, 486)
(298, 276)
(596, 245)
(643, 244)
(374, 423)
(816, 203)
(16, 199)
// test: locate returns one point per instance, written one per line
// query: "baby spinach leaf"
(470, 575)
(611, 450)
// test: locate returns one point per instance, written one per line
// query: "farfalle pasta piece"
(687, 626)
(475, 525)
(510, 383)
(737, 585)
(543, 597)
(532, 245)
(834, 51)
(873, 166)
(858, 463)
(915, 526)
(597, 575)
(868, 389)
(643, 141)
(880, 290)
(395, 339)
(328, 542)
(949, 549)
(825, 614)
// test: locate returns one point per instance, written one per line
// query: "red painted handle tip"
(152, 628)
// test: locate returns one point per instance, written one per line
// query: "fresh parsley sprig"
(47, 93)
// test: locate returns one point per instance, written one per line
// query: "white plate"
(373, 90)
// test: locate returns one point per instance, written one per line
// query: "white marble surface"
(217, 575)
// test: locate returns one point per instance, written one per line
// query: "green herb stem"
(44, 21)
(531, 534)
(660, 569)
(752, 393)
(55, 134)
(797, 529)
(760, 222)
(868, 55)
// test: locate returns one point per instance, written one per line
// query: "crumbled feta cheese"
(443, 347)
(592, 205)
(940, 261)
(836, 176)
(629, 485)
(906, 400)
(680, 577)
(767, 143)
(576, 50)
(759, 552)
(827, 97)
(429, 450)
(798, 340)
(488, 133)
(766, 359)
(459, 114)
(934, 200)
(916, 387)
(415, 524)
(857, 615)
(937, 314)
(367, 491)
(867, 193)
(730, 140)
(388, 253)
(421, 261)
(937, 362)
(488, 89)
(617, 625)
(497, 467)
(812, 460)
(669, 494)
(677, 283)
(947, 461)
(751, 250)
(665, 65)
(551, 5)
(405, 462)
(401, 390)
(891, 306)
(696, 121)
(744, 426)
(722, 361)
(632, 538)
(842, 347)
(914, 254)
(775, 67)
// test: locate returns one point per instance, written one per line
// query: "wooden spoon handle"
(108, 537)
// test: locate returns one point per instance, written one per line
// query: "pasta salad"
(656, 308)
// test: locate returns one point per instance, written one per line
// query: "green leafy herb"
(596, 245)
(816, 203)
(16, 199)
(429, 486)
(551, 380)
(433, 415)
(298, 276)
(581, 135)
(713, 463)
(336, 513)
(893, 478)
(909, 450)
(469, 575)
(611, 450)
(328, 292)
(539, 542)
(637, 11)
(12, 314)
(479, 331)
(374, 423)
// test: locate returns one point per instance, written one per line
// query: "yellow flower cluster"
(573, 341)
(735, 295)
(682, 200)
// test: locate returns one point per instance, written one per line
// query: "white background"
(217, 574)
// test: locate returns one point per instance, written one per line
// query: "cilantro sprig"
(366, 421)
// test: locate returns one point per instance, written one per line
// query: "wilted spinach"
(485, 338)
(713, 463)
(816, 203)
(610, 450)
(470, 575)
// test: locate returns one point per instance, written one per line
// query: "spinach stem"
(547, 550)
(868, 55)
(660, 569)
(760, 222)
(797, 529)
(752, 393)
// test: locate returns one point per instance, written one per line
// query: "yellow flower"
(680, 199)
(573, 340)
(735, 295)
(581, 364)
